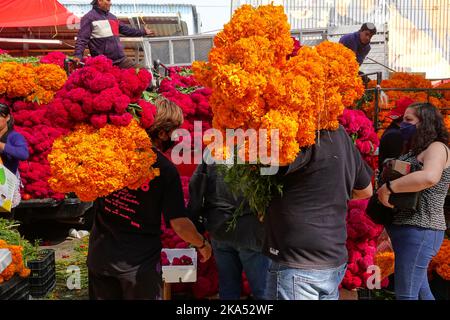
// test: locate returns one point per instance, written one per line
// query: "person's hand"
(149, 32)
(383, 196)
(205, 252)
(76, 60)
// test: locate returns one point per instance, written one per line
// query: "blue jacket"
(353, 42)
(100, 31)
(16, 149)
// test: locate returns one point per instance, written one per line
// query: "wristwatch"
(388, 185)
(203, 244)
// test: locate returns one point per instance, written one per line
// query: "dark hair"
(369, 26)
(94, 2)
(4, 112)
(430, 129)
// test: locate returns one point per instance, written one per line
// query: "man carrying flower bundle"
(125, 245)
(306, 225)
(100, 29)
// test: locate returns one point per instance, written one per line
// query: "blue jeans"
(286, 283)
(231, 260)
(414, 248)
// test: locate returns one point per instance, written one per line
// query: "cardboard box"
(402, 167)
(177, 274)
(8, 183)
(5, 259)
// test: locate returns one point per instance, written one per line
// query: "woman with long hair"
(417, 235)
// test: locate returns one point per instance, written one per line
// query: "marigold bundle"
(255, 79)
(386, 262)
(31, 82)
(441, 262)
(95, 162)
(16, 266)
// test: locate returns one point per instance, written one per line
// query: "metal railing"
(184, 50)
(377, 93)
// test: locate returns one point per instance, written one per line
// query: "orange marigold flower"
(441, 262)
(254, 83)
(93, 163)
(33, 83)
(386, 262)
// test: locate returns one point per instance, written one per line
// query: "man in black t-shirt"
(306, 225)
(125, 246)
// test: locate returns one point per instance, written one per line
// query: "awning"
(34, 13)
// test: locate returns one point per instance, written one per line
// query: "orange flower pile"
(93, 163)
(446, 93)
(256, 86)
(37, 83)
(405, 80)
(386, 262)
(447, 122)
(16, 266)
(441, 262)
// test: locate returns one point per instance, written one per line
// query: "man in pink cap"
(391, 143)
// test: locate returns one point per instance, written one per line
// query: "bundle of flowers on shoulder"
(257, 189)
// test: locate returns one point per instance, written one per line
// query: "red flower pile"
(361, 129)
(361, 245)
(3, 51)
(362, 232)
(31, 122)
(181, 88)
(100, 93)
(164, 259)
(184, 260)
(55, 57)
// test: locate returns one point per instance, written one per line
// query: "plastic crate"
(39, 267)
(44, 289)
(42, 280)
(178, 274)
(43, 273)
(16, 288)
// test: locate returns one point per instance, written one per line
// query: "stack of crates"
(43, 274)
(16, 288)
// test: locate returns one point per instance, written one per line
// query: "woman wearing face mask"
(125, 246)
(417, 236)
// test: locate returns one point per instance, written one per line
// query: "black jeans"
(144, 284)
